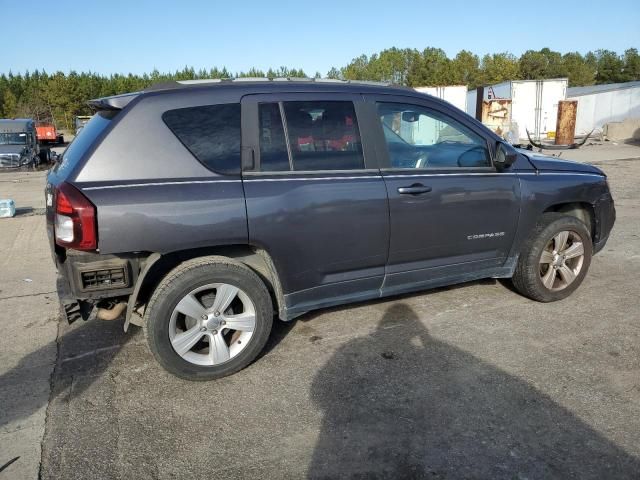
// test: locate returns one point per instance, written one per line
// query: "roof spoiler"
(116, 102)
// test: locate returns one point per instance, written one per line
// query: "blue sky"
(137, 36)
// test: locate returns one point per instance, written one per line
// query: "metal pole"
(479, 100)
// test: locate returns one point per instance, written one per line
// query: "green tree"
(580, 70)
(555, 66)
(334, 73)
(631, 69)
(466, 69)
(392, 65)
(10, 105)
(609, 67)
(430, 69)
(499, 67)
(533, 65)
(357, 69)
(58, 97)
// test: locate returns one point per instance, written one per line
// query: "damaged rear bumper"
(72, 308)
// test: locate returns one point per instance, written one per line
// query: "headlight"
(24, 160)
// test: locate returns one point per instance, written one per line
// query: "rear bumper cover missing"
(72, 308)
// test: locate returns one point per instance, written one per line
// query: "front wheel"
(555, 260)
(45, 156)
(208, 318)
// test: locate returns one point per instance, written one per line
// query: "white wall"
(456, 95)
(471, 102)
(596, 109)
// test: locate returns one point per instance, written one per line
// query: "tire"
(166, 326)
(45, 156)
(533, 270)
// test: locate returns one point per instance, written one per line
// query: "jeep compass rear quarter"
(202, 210)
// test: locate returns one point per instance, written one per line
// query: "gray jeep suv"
(201, 210)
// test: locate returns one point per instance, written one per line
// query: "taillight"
(75, 219)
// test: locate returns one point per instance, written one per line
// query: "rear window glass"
(274, 156)
(323, 135)
(84, 140)
(211, 133)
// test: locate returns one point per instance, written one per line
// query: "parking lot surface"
(467, 381)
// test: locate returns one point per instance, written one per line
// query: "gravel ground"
(472, 381)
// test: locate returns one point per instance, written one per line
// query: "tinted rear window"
(84, 140)
(211, 133)
(323, 136)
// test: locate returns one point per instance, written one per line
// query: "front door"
(452, 214)
(316, 201)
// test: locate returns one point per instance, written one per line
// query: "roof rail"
(118, 102)
(263, 79)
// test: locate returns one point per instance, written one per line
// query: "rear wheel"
(208, 318)
(555, 260)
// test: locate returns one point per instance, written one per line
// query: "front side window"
(418, 137)
(211, 133)
(320, 136)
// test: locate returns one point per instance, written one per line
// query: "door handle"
(415, 189)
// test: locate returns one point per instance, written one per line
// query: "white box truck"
(534, 104)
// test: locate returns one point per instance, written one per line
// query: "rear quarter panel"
(172, 216)
(150, 192)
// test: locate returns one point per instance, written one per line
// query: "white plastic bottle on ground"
(7, 208)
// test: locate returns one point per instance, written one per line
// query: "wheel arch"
(583, 211)
(158, 266)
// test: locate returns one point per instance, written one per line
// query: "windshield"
(13, 138)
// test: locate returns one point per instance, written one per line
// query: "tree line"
(432, 67)
(60, 97)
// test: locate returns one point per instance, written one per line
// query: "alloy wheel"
(561, 260)
(212, 324)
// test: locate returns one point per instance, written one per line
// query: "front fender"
(547, 191)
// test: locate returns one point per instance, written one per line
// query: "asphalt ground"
(471, 381)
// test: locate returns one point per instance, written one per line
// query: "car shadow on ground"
(400, 403)
(84, 352)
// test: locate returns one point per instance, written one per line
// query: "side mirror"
(505, 155)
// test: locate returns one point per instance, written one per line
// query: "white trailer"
(602, 104)
(456, 95)
(534, 103)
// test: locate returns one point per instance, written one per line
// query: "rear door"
(316, 201)
(452, 214)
